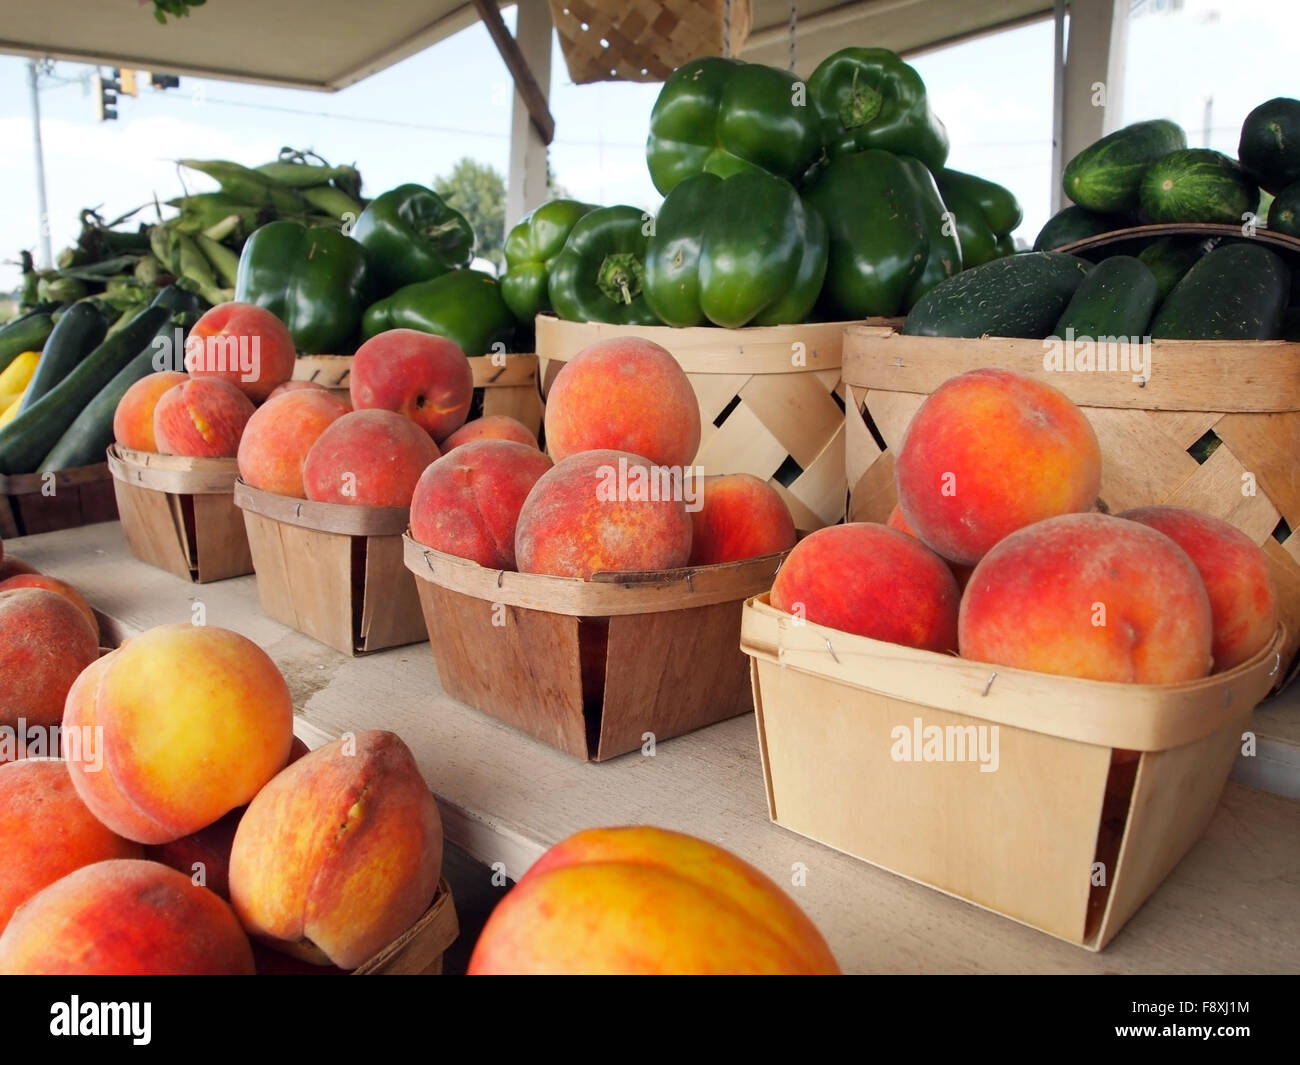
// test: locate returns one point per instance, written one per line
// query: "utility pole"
(46, 258)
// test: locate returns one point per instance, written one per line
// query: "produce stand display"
(507, 798)
(31, 503)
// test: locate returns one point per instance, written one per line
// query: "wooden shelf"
(1229, 907)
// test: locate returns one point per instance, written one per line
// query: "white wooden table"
(1233, 905)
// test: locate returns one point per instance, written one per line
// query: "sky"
(994, 94)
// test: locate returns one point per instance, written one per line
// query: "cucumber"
(979, 244)
(1197, 185)
(1269, 148)
(28, 438)
(1016, 296)
(80, 330)
(1116, 299)
(1284, 212)
(1291, 324)
(84, 442)
(28, 333)
(1236, 292)
(1169, 258)
(1000, 206)
(1075, 223)
(1107, 174)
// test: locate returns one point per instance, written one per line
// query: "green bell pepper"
(743, 250)
(530, 248)
(999, 205)
(944, 258)
(879, 243)
(869, 98)
(722, 116)
(412, 235)
(599, 275)
(979, 243)
(465, 306)
(314, 280)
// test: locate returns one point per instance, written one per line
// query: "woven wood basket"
(1239, 401)
(770, 401)
(509, 389)
(643, 40)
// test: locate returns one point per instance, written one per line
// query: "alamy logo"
(1085, 354)
(952, 743)
(218, 354)
(636, 483)
(102, 1018)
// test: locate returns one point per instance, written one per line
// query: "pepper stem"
(862, 106)
(620, 277)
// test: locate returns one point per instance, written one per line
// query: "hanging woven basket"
(644, 40)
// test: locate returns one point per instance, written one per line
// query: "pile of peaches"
(185, 830)
(996, 552)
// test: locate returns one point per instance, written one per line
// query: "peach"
(58, 587)
(897, 521)
(279, 435)
(467, 503)
(195, 720)
(623, 394)
(491, 427)
(369, 458)
(303, 386)
(873, 581)
(340, 854)
(1236, 576)
(46, 831)
(603, 510)
(425, 377)
(45, 642)
(739, 517)
(125, 917)
(12, 567)
(989, 452)
(245, 345)
(133, 419)
(1092, 596)
(647, 901)
(202, 418)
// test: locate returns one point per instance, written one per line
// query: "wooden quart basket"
(642, 40)
(32, 503)
(419, 950)
(590, 667)
(179, 514)
(498, 389)
(1240, 398)
(1058, 836)
(770, 401)
(332, 571)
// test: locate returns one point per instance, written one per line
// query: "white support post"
(526, 183)
(1090, 89)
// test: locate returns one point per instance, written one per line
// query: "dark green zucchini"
(1169, 258)
(28, 333)
(1116, 299)
(1075, 223)
(1236, 292)
(79, 331)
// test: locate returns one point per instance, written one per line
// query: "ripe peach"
(46, 831)
(133, 419)
(340, 853)
(425, 377)
(124, 917)
(202, 418)
(491, 427)
(1236, 576)
(739, 517)
(897, 521)
(279, 435)
(873, 581)
(603, 510)
(245, 345)
(467, 503)
(45, 642)
(58, 587)
(195, 720)
(624, 394)
(370, 458)
(303, 386)
(989, 452)
(1092, 596)
(647, 901)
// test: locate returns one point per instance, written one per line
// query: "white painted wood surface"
(1230, 906)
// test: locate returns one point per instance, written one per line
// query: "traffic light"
(106, 90)
(164, 81)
